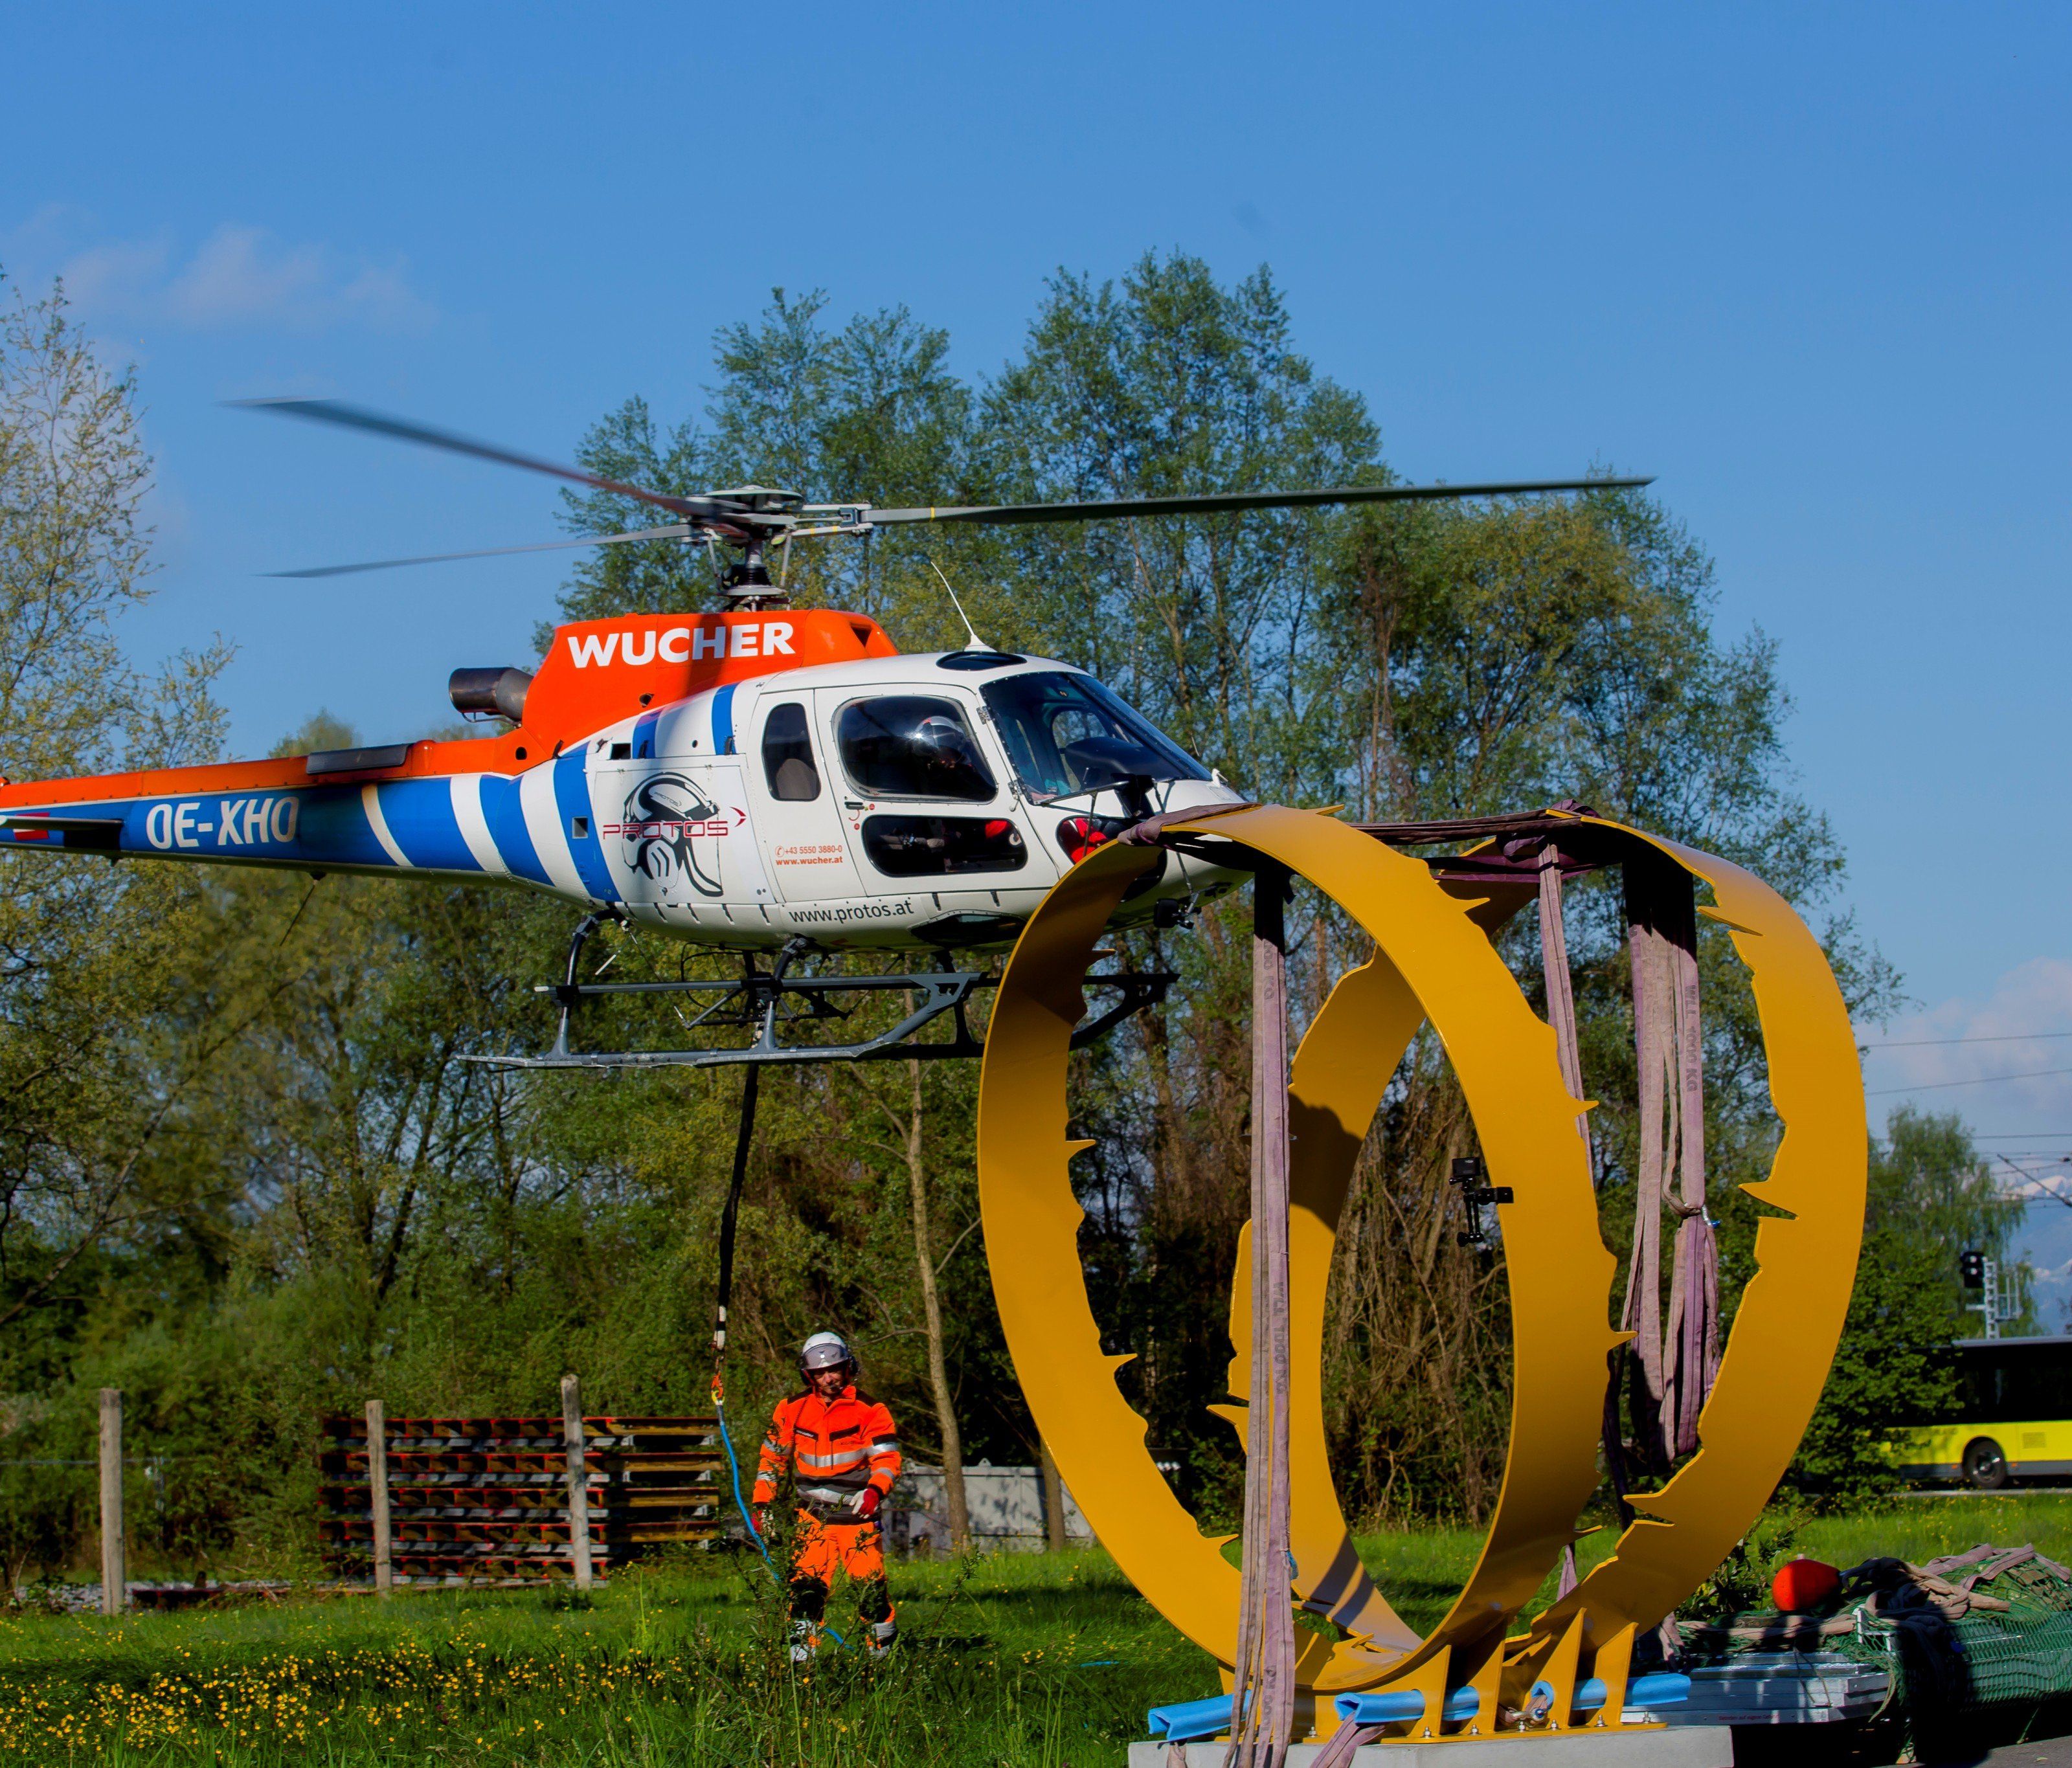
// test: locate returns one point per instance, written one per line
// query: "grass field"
(1024, 1661)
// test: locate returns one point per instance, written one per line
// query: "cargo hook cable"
(743, 1139)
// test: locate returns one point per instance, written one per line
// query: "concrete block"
(1700, 1746)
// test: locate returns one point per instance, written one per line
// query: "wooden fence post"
(114, 1573)
(1053, 1500)
(377, 1491)
(572, 1433)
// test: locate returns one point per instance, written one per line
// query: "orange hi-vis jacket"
(839, 1446)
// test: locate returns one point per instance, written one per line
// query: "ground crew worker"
(842, 1445)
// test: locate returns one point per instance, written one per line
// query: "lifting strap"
(1561, 1016)
(1676, 1352)
(1263, 1691)
(1561, 988)
(1676, 1347)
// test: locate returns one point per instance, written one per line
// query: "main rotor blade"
(1228, 500)
(676, 531)
(335, 411)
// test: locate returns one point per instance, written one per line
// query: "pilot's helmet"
(943, 740)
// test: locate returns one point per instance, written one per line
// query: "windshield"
(1068, 733)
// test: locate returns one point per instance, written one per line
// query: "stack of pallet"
(476, 1500)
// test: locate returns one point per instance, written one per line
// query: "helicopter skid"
(771, 1001)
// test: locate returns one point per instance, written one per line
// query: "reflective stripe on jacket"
(838, 1446)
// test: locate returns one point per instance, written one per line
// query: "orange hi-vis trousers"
(857, 1552)
(854, 1549)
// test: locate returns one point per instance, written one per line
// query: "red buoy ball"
(1803, 1584)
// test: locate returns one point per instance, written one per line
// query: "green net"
(1988, 1628)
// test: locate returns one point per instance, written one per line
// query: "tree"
(1931, 1197)
(93, 1060)
(1166, 383)
(871, 411)
(1501, 655)
(334, 1202)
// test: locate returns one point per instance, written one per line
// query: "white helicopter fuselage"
(743, 780)
(752, 815)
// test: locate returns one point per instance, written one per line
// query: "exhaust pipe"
(501, 691)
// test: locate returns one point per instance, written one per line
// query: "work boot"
(882, 1633)
(805, 1642)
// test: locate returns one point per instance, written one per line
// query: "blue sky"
(1809, 265)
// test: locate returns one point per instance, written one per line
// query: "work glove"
(763, 1519)
(864, 1503)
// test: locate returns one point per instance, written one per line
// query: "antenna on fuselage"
(976, 643)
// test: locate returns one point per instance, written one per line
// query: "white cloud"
(115, 277)
(2004, 1063)
(242, 278)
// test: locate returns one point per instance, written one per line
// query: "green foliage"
(330, 1201)
(99, 1043)
(871, 411)
(1931, 1197)
(1741, 1581)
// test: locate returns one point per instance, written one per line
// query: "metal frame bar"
(758, 998)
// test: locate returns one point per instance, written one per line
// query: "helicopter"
(758, 779)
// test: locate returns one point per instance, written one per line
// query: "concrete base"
(1696, 1746)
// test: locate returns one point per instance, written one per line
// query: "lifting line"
(744, 1139)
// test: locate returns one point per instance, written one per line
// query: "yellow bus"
(2013, 1419)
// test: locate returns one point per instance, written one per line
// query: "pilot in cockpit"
(950, 765)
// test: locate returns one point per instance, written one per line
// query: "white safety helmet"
(945, 740)
(825, 1350)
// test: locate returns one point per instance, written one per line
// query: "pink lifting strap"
(1561, 1016)
(1679, 1355)
(1560, 989)
(1264, 1685)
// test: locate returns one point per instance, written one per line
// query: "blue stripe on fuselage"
(327, 826)
(572, 799)
(333, 826)
(722, 715)
(644, 736)
(419, 816)
(506, 818)
(305, 826)
(128, 812)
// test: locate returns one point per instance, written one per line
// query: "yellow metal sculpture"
(1433, 960)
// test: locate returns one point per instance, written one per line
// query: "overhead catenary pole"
(114, 1571)
(377, 1493)
(1264, 1692)
(578, 1480)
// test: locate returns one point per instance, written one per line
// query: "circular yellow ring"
(1505, 1058)
(1429, 951)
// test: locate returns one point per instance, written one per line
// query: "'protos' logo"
(708, 639)
(236, 822)
(665, 816)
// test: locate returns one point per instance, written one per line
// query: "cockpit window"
(787, 755)
(1068, 733)
(912, 745)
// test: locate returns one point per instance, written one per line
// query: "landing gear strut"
(762, 1001)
